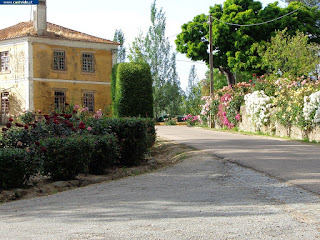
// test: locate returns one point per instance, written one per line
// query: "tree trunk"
(229, 75)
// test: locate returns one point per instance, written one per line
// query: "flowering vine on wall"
(290, 102)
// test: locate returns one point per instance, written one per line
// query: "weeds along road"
(201, 197)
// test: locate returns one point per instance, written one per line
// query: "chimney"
(40, 18)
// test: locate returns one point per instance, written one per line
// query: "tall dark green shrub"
(133, 91)
(113, 86)
(16, 167)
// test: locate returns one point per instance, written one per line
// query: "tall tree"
(291, 55)
(192, 79)
(121, 54)
(310, 3)
(173, 91)
(236, 46)
(155, 50)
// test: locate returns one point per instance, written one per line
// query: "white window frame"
(59, 100)
(88, 63)
(5, 61)
(59, 60)
(88, 100)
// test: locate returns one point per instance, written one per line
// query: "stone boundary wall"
(278, 129)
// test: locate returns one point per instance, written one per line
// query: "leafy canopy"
(236, 47)
(291, 55)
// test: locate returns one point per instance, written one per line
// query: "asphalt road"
(292, 161)
(202, 197)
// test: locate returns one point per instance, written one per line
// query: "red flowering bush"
(65, 144)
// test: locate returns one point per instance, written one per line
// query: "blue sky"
(101, 18)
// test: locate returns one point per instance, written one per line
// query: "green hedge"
(113, 85)
(132, 91)
(64, 158)
(16, 167)
(135, 136)
(104, 153)
(112, 142)
(132, 139)
(151, 132)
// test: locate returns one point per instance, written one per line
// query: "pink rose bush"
(192, 120)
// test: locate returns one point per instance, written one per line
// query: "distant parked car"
(181, 118)
(163, 118)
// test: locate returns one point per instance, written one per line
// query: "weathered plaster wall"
(17, 61)
(43, 63)
(278, 129)
(13, 81)
(47, 80)
(44, 94)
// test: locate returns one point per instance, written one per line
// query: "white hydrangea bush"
(311, 107)
(258, 106)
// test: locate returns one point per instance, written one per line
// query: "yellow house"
(44, 66)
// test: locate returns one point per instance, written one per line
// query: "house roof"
(54, 31)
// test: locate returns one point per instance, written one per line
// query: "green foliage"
(265, 84)
(236, 47)
(154, 48)
(119, 37)
(151, 132)
(27, 117)
(15, 136)
(219, 81)
(310, 3)
(234, 108)
(290, 55)
(133, 93)
(64, 158)
(104, 153)
(192, 120)
(135, 136)
(113, 85)
(172, 101)
(16, 167)
(54, 125)
(193, 101)
(62, 145)
(132, 137)
(290, 96)
(225, 105)
(170, 122)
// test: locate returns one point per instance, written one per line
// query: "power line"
(242, 25)
(257, 24)
(193, 62)
(190, 28)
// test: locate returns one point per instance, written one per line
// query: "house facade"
(44, 66)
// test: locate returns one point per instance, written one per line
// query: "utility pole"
(210, 120)
(211, 55)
